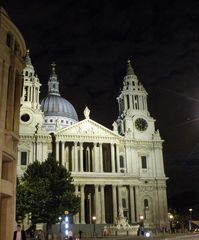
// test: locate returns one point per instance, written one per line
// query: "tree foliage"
(46, 190)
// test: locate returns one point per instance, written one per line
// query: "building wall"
(12, 49)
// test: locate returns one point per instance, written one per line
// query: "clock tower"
(134, 120)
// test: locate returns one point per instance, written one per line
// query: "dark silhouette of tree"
(46, 190)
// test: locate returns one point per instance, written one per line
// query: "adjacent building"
(12, 50)
(112, 169)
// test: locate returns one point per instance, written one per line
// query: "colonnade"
(88, 157)
(102, 205)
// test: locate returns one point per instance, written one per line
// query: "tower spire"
(129, 70)
(27, 58)
(53, 65)
(53, 84)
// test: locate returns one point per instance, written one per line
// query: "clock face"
(141, 124)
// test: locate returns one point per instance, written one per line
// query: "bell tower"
(134, 120)
(30, 112)
(31, 88)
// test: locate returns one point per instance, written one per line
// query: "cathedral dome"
(55, 105)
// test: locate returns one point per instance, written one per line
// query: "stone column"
(114, 203)
(117, 158)
(119, 197)
(57, 151)
(138, 204)
(82, 205)
(132, 204)
(77, 215)
(95, 163)
(88, 156)
(102, 205)
(97, 202)
(75, 157)
(81, 156)
(72, 155)
(113, 157)
(125, 102)
(67, 157)
(100, 158)
(63, 153)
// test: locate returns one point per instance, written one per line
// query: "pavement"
(161, 236)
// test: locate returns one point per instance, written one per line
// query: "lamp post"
(190, 218)
(142, 225)
(60, 218)
(171, 222)
(94, 220)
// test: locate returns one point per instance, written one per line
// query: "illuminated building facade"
(12, 49)
(112, 169)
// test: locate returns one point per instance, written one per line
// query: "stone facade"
(112, 169)
(12, 48)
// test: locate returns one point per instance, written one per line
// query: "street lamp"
(141, 228)
(94, 220)
(171, 222)
(60, 218)
(190, 218)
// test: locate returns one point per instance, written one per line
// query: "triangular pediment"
(88, 127)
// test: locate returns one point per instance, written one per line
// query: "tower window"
(144, 162)
(128, 102)
(23, 158)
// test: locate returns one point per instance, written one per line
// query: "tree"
(46, 190)
(21, 209)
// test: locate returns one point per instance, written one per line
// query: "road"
(177, 236)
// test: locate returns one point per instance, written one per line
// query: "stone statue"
(121, 213)
(86, 113)
(57, 124)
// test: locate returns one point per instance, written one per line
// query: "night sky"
(90, 41)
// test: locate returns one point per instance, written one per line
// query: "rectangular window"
(23, 158)
(121, 161)
(144, 162)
